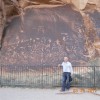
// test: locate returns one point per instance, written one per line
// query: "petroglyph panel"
(48, 35)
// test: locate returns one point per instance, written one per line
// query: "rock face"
(9, 8)
(44, 34)
(48, 34)
(80, 4)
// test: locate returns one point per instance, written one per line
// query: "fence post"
(94, 77)
(42, 76)
(1, 75)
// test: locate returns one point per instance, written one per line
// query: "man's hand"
(59, 65)
(72, 75)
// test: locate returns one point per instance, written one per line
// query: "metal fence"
(47, 76)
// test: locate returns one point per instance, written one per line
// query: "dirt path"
(42, 94)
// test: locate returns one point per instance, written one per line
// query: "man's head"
(65, 59)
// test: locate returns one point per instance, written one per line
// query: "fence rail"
(47, 76)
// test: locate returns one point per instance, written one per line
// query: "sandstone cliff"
(44, 32)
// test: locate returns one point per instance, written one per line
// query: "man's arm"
(60, 65)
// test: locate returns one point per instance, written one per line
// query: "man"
(67, 72)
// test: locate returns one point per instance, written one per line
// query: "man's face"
(65, 59)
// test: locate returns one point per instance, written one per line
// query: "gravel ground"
(42, 94)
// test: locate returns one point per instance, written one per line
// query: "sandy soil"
(42, 94)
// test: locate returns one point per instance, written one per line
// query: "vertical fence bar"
(1, 76)
(42, 77)
(94, 77)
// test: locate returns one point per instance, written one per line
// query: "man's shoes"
(62, 90)
(67, 88)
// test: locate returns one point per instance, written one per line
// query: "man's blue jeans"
(65, 81)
